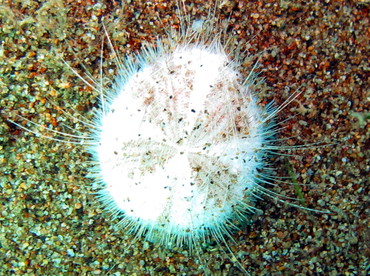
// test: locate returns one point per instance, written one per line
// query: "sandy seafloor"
(50, 223)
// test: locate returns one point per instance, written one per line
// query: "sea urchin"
(179, 140)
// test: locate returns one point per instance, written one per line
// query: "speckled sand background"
(49, 221)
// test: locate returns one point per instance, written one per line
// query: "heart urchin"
(179, 141)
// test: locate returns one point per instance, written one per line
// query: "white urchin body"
(178, 144)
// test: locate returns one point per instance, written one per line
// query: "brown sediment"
(49, 220)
